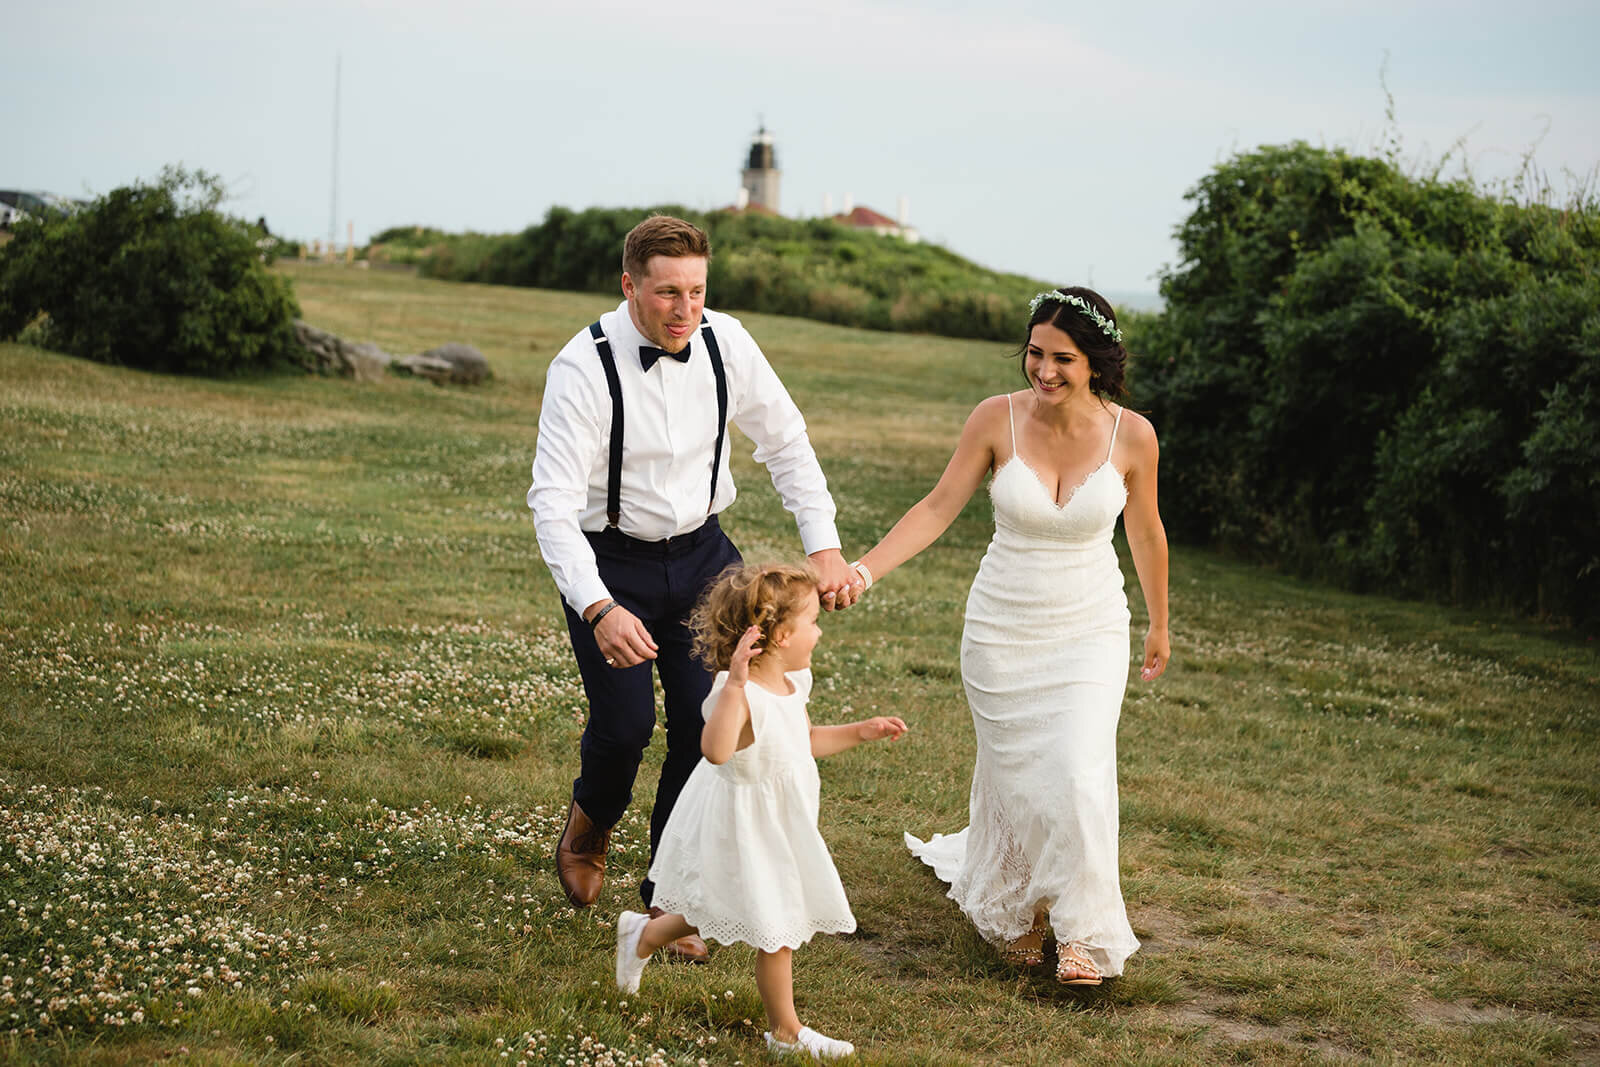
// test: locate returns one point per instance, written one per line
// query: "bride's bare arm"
(1147, 540)
(932, 515)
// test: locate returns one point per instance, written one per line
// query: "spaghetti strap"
(1114, 427)
(1012, 416)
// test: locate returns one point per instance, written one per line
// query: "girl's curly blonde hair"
(745, 595)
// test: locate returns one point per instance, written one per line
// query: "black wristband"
(601, 614)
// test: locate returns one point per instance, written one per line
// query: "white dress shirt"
(669, 431)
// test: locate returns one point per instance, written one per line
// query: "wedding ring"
(611, 663)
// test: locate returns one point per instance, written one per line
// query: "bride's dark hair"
(1108, 360)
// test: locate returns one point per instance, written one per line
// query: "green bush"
(150, 276)
(1389, 380)
(813, 268)
(1491, 477)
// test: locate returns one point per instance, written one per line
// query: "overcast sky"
(1051, 138)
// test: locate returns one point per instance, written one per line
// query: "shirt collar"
(625, 336)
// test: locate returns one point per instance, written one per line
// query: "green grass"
(287, 724)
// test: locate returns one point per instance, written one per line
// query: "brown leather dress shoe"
(581, 858)
(687, 949)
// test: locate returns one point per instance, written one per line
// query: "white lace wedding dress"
(1044, 658)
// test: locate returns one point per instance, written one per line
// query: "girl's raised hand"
(890, 726)
(743, 653)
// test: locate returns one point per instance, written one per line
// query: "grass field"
(287, 726)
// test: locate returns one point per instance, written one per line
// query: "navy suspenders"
(613, 479)
(722, 405)
(614, 384)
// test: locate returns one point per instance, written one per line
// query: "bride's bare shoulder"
(1137, 448)
(994, 408)
(1136, 428)
(991, 416)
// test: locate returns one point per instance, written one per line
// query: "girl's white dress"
(1044, 659)
(741, 857)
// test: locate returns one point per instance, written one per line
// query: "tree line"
(1386, 380)
(811, 268)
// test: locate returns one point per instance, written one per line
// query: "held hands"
(838, 584)
(1157, 654)
(884, 726)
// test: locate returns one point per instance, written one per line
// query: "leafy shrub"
(150, 276)
(812, 268)
(1388, 380)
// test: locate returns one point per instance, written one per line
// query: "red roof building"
(864, 218)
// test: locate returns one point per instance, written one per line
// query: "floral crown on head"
(1107, 327)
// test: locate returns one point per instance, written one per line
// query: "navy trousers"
(660, 582)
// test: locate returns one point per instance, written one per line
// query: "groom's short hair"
(662, 235)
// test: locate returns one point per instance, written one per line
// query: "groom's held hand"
(622, 638)
(834, 578)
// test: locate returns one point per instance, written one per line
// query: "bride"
(1045, 647)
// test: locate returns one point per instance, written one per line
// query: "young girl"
(740, 858)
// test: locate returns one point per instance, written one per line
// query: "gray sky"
(1055, 139)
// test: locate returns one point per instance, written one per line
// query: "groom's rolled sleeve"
(568, 442)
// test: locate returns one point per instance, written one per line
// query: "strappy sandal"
(1075, 967)
(1027, 950)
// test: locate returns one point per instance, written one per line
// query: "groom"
(629, 474)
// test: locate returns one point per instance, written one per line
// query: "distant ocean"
(1133, 300)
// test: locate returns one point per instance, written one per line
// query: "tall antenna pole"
(333, 210)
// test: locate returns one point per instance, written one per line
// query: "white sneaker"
(808, 1041)
(630, 925)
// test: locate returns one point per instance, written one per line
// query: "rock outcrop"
(326, 353)
(455, 363)
(329, 354)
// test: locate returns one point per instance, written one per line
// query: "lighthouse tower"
(761, 174)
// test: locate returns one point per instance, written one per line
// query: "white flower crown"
(1107, 327)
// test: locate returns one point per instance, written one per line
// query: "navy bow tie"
(649, 355)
